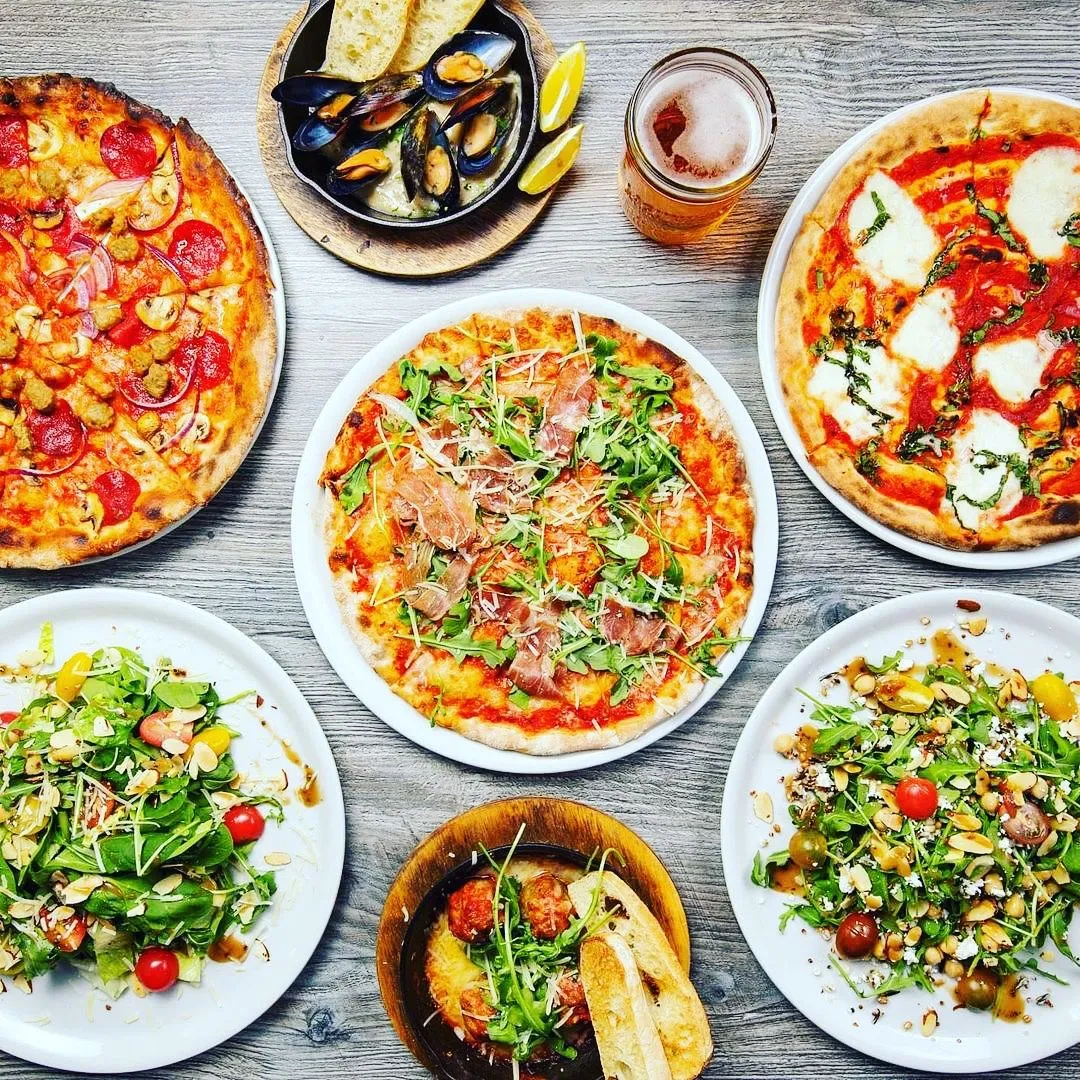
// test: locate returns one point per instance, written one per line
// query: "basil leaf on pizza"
(928, 324)
(540, 530)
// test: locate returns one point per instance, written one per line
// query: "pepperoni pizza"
(929, 324)
(137, 334)
(540, 530)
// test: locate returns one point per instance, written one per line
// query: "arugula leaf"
(355, 486)
(888, 663)
(180, 695)
(760, 872)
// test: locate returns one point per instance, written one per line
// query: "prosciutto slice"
(436, 598)
(537, 637)
(567, 409)
(636, 633)
(442, 511)
(496, 486)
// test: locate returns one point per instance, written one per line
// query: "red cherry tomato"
(245, 823)
(118, 492)
(209, 354)
(197, 248)
(66, 934)
(157, 968)
(917, 798)
(8, 718)
(128, 150)
(14, 148)
(856, 936)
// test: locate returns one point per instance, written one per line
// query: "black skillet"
(307, 52)
(455, 1059)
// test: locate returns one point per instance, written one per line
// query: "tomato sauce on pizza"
(137, 337)
(929, 323)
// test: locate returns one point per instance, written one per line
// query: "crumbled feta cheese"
(991, 756)
(910, 956)
(846, 884)
(1005, 843)
(1064, 787)
(914, 881)
(967, 948)
(969, 887)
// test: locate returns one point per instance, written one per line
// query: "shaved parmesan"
(829, 384)
(903, 249)
(1045, 193)
(990, 432)
(928, 335)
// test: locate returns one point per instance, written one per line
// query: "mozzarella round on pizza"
(540, 530)
(928, 324)
(137, 334)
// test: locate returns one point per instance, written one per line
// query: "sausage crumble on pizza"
(929, 324)
(540, 530)
(137, 335)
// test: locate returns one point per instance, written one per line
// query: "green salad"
(936, 818)
(125, 834)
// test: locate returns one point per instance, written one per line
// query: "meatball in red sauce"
(470, 910)
(475, 1014)
(570, 994)
(546, 905)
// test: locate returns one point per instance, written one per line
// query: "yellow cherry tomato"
(70, 678)
(1055, 695)
(217, 738)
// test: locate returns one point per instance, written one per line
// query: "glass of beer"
(699, 129)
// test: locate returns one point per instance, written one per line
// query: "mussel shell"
(504, 109)
(493, 50)
(340, 184)
(313, 133)
(386, 90)
(421, 136)
(489, 96)
(386, 117)
(312, 89)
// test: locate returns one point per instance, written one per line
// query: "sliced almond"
(168, 884)
(980, 911)
(966, 822)
(174, 747)
(75, 892)
(24, 909)
(929, 1023)
(278, 858)
(763, 806)
(865, 684)
(971, 842)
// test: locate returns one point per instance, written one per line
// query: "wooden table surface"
(833, 68)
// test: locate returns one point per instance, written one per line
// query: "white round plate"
(1021, 633)
(277, 300)
(65, 1023)
(316, 584)
(768, 298)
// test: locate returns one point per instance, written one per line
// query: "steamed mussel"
(466, 59)
(427, 162)
(368, 108)
(486, 116)
(356, 170)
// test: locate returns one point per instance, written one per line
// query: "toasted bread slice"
(677, 1009)
(621, 1011)
(364, 36)
(431, 22)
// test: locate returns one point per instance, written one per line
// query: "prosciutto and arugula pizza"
(137, 335)
(929, 324)
(540, 529)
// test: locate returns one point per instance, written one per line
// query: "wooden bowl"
(566, 829)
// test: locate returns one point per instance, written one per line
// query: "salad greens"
(115, 787)
(524, 972)
(974, 868)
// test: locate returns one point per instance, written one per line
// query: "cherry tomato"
(1025, 824)
(245, 823)
(215, 736)
(8, 718)
(917, 798)
(98, 803)
(157, 968)
(808, 849)
(856, 936)
(66, 934)
(978, 990)
(1055, 695)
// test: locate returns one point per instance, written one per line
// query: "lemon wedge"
(553, 162)
(562, 88)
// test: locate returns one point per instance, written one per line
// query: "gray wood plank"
(833, 68)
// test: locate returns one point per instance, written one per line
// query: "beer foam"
(723, 131)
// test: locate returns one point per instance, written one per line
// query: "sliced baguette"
(431, 22)
(677, 1009)
(621, 1011)
(364, 36)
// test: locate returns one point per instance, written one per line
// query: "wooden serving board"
(413, 254)
(561, 822)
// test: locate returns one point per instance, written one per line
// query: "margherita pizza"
(137, 335)
(540, 529)
(929, 324)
